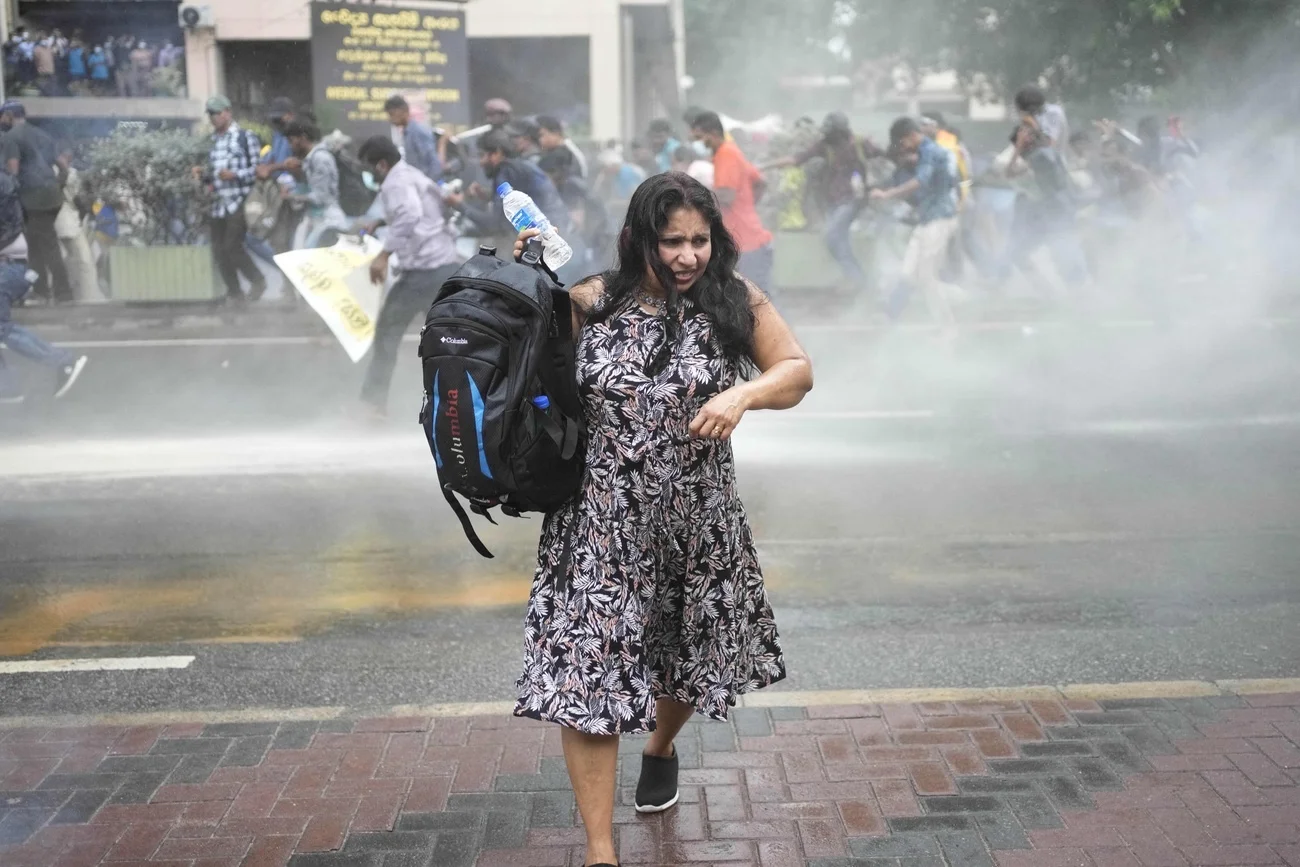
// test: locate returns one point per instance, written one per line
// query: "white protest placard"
(335, 281)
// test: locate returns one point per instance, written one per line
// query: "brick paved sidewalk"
(1201, 781)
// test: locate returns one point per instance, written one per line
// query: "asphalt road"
(1039, 506)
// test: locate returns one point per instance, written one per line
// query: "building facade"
(607, 66)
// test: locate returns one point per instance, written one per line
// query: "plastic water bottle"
(523, 213)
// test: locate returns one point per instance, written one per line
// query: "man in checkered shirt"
(230, 175)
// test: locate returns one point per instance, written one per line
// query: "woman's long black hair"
(719, 293)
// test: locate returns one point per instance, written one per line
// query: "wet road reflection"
(984, 538)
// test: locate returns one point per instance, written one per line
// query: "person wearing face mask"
(738, 186)
(415, 210)
(648, 604)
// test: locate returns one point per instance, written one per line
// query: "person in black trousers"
(231, 173)
(30, 155)
(422, 240)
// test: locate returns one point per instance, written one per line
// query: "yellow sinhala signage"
(363, 54)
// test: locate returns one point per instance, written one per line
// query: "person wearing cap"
(14, 257)
(230, 175)
(279, 160)
(414, 141)
(31, 155)
(842, 188)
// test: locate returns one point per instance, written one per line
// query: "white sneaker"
(68, 375)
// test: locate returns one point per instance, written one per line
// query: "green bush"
(147, 176)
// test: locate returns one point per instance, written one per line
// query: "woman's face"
(685, 247)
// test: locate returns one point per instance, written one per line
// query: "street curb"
(803, 699)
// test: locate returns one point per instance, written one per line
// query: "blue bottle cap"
(504, 190)
(542, 402)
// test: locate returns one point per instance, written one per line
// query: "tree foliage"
(1093, 49)
(738, 51)
(1085, 49)
(147, 177)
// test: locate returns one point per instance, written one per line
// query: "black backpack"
(355, 198)
(501, 407)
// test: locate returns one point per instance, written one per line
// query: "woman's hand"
(523, 239)
(719, 417)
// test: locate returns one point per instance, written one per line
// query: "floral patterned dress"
(647, 584)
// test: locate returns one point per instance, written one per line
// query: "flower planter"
(163, 274)
(802, 261)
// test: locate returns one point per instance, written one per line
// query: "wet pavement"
(1045, 504)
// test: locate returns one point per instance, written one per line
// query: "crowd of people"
(944, 215)
(969, 220)
(50, 63)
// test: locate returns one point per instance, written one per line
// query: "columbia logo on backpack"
(501, 407)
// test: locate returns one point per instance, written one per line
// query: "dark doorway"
(258, 72)
(542, 75)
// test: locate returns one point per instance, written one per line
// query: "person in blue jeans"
(13, 286)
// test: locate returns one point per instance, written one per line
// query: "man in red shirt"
(738, 185)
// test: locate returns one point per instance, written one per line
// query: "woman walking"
(648, 604)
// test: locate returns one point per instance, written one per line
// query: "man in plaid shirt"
(230, 175)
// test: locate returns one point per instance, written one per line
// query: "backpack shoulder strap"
(466, 524)
(557, 374)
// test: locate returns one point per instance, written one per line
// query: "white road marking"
(109, 663)
(1162, 425)
(181, 342)
(855, 415)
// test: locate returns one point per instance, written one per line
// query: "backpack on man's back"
(355, 198)
(501, 409)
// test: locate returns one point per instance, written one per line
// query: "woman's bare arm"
(785, 375)
(785, 369)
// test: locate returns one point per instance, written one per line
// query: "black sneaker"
(656, 791)
(68, 375)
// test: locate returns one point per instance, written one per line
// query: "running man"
(14, 284)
